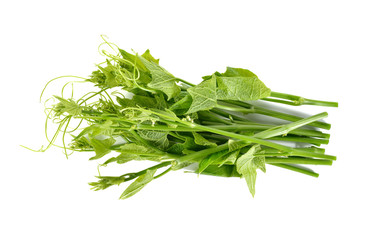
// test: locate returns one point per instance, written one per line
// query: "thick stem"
(242, 126)
(250, 139)
(285, 129)
(292, 151)
(248, 108)
(233, 127)
(295, 100)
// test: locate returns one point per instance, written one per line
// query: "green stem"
(185, 82)
(292, 151)
(314, 141)
(272, 113)
(233, 127)
(210, 116)
(230, 171)
(285, 129)
(298, 160)
(280, 101)
(242, 127)
(274, 152)
(197, 156)
(228, 115)
(297, 100)
(163, 173)
(130, 176)
(296, 168)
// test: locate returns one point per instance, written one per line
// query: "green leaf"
(139, 114)
(219, 158)
(67, 106)
(101, 147)
(126, 102)
(147, 55)
(209, 160)
(203, 95)
(133, 148)
(236, 144)
(105, 182)
(110, 75)
(182, 106)
(132, 59)
(127, 157)
(177, 148)
(161, 79)
(166, 113)
(120, 159)
(190, 144)
(158, 138)
(241, 88)
(138, 184)
(200, 140)
(248, 163)
(239, 84)
(238, 72)
(104, 129)
(133, 151)
(97, 77)
(137, 100)
(221, 171)
(160, 101)
(228, 158)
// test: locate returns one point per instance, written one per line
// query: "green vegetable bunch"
(142, 112)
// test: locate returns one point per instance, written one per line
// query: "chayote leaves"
(203, 95)
(101, 147)
(157, 138)
(247, 166)
(240, 84)
(138, 184)
(161, 79)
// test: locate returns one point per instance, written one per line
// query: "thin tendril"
(54, 136)
(80, 122)
(63, 136)
(136, 74)
(126, 62)
(81, 99)
(109, 97)
(104, 37)
(72, 90)
(63, 88)
(117, 92)
(46, 85)
(99, 92)
(98, 169)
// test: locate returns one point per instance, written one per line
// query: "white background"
(317, 49)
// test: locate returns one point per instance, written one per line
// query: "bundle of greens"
(140, 111)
